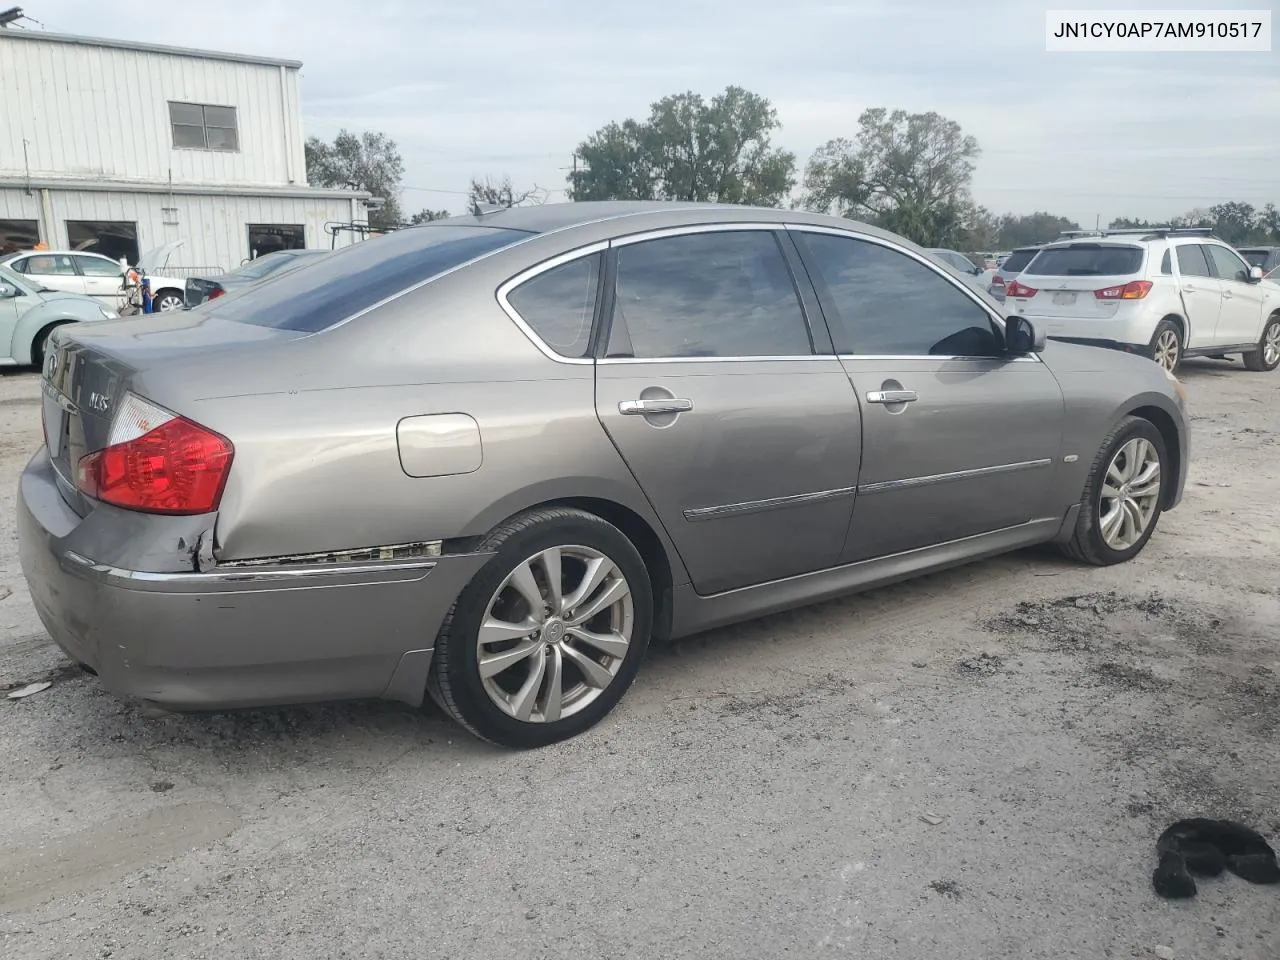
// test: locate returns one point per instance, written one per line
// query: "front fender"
(41, 317)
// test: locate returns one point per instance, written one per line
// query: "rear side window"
(1017, 261)
(1087, 260)
(559, 304)
(336, 286)
(1191, 261)
(717, 294)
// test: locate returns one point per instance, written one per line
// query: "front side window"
(889, 304)
(559, 304)
(95, 267)
(717, 294)
(1225, 264)
(200, 126)
(1191, 261)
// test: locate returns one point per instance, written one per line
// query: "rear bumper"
(232, 637)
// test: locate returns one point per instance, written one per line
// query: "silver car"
(29, 313)
(490, 458)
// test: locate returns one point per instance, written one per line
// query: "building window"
(111, 238)
(18, 235)
(199, 126)
(270, 237)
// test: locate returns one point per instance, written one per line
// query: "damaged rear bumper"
(229, 636)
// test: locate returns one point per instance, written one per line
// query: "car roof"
(55, 253)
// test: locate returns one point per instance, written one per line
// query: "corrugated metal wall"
(103, 113)
(214, 229)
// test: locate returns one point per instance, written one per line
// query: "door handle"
(1227, 294)
(649, 408)
(892, 396)
(1188, 288)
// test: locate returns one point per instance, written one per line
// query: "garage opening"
(18, 235)
(272, 237)
(111, 238)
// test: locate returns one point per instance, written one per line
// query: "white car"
(100, 277)
(1165, 293)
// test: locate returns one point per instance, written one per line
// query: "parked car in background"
(1165, 293)
(29, 313)
(1010, 266)
(973, 275)
(455, 459)
(201, 289)
(98, 276)
(1267, 258)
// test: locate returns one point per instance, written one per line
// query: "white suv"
(1164, 293)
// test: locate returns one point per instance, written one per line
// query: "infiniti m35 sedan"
(488, 459)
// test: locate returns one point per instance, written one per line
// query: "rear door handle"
(892, 396)
(1188, 288)
(1227, 294)
(649, 408)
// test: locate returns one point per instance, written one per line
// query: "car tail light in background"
(157, 462)
(1016, 289)
(997, 281)
(1133, 290)
(216, 292)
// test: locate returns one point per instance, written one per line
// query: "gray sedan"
(490, 458)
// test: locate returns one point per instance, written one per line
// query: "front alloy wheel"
(1267, 355)
(547, 637)
(1130, 494)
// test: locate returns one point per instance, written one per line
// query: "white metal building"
(119, 147)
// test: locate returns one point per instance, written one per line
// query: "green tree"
(426, 216)
(502, 193)
(1029, 229)
(1235, 222)
(370, 161)
(906, 172)
(688, 149)
(1269, 224)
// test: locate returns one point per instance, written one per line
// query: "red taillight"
(216, 292)
(1133, 290)
(997, 281)
(1016, 289)
(157, 462)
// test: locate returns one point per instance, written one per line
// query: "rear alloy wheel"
(1267, 356)
(1124, 495)
(1166, 345)
(166, 302)
(549, 634)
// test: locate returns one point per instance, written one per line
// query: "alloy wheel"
(1167, 349)
(555, 634)
(1271, 343)
(1130, 494)
(169, 302)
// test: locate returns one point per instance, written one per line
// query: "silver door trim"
(883, 486)
(504, 291)
(658, 406)
(696, 514)
(892, 396)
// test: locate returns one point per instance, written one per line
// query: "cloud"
(512, 86)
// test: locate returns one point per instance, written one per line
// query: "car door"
(723, 396)
(103, 278)
(1201, 294)
(1240, 317)
(958, 439)
(53, 271)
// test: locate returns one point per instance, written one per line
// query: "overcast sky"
(512, 86)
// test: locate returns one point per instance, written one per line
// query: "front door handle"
(1227, 294)
(649, 408)
(1188, 288)
(892, 396)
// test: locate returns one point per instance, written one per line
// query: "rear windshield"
(1017, 261)
(319, 294)
(1256, 258)
(1087, 260)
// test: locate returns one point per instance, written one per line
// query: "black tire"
(39, 342)
(167, 300)
(1256, 360)
(455, 682)
(1161, 342)
(1087, 544)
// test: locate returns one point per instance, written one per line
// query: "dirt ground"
(764, 791)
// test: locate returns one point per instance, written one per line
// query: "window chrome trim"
(1031, 358)
(695, 228)
(884, 486)
(804, 359)
(508, 285)
(696, 514)
(928, 265)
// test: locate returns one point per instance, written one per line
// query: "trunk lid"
(198, 290)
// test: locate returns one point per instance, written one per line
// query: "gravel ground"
(764, 791)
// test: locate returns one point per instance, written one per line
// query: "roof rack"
(1148, 233)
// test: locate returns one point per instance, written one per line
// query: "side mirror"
(8, 291)
(1021, 336)
(1255, 274)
